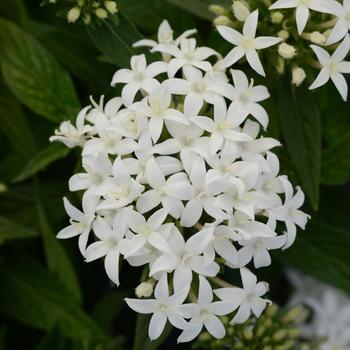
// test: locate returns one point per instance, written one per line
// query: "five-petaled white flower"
(247, 43)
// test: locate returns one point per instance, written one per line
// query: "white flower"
(157, 108)
(303, 8)
(333, 67)
(187, 54)
(186, 257)
(71, 135)
(163, 308)
(204, 313)
(246, 44)
(247, 299)
(342, 26)
(139, 77)
(109, 244)
(80, 221)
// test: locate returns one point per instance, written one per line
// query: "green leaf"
(142, 340)
(301, 129)
(115, 41)
(322, 251)
(15, 10)
(35, 297)
(34, 76)
(3, 338)
(41, 160)
(336, 162)
(200, 7)
(14, 124)
(12, 230)
(56, 257)
(52, 340)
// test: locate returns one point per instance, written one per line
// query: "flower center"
(304, 2)
(199, 86)
(145, 230)
(333, 67)
(248, 44)
(224, 125)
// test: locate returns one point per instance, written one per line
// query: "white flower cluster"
(329, 324)
(178, 178)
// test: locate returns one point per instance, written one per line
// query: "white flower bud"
(73, 14)
(283, 34)
(287, 51)
(111, 7)
(240, 10)
(87, 18)
(317, 38)
(217, 9)
(145, 289)
(277, 17)
(101, 13)
(280, 66)
(298, 76)
(222, 21)
(3, 187)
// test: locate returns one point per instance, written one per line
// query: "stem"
(198, 226)
(221, 282)
(193, 296)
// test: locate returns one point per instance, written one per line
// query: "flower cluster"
(328, 27)
(179, 178)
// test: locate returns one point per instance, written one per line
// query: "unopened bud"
(87, 18)
(3, 187)
(73, 14)
(279, 335)
(286, 346)
(111, 7)
(287, 51)
(145, 289)
(222, 21)
(294, 332)
(217, 9)
(240, 10)
(277, 17)
(248, 334)
(295, 314)
(280, 65)
(298, 76)
(101, 13)
(317, 38)
(283, 34)
(271, 310)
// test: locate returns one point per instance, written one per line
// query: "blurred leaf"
(15, 10)
(108, 308)
(302, 133)
(200, 7)
(41, 160)
(35, 297)
(3, 338)
(12, 230)
(53, 340)
(142, 340)
(15, 125)
(74, 51)
(336, 162)
(323, 252)
(57, 259)
(115, 41)
(34, 76)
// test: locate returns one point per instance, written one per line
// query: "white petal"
(141, 306)
(341, 85)
(230, 34)
(283, 4)
(263, 42)
(339, 31)
(156, 325)
(232, 57)
(96, 251)
(192, 213)
(147, 201)
(248, 279)
(205, 294)
(214, 326)
(157, 241)
(157, 218)
(321, 79)
(249, 28)
(302, 15)
(112, 265)
(162, 290)
(242, 315)
(254, 61)
(342, 50)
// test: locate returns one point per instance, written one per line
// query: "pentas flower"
(342, 26)
(246, 43)
(177, 177)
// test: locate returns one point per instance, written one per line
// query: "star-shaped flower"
(247, 43)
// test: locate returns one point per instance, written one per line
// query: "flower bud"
(276, 17)
(298, 76)
(279, 335)
(240, 10)
(87, 18)
(280, 66)
(287, 51)
(3, 187)
(222, 21)
(101, 13)
(283, 34)
(73, 14)
(317, 38)
(217, 9)
(145, 289)
(111, 7)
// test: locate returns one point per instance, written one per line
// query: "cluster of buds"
(276, 329)
(178, 177)
(321, 26)
(86, 10)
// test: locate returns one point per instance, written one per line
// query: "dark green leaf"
(336, 162)
(15, 10)
(200, 8)
(323, 252)
(115, 41)
(301, 130)
(35, 297)
(41, 160)
(142, 340)
(34, 76)
(12, 230)
(3, 338)
(53, 340)
(57, 259)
